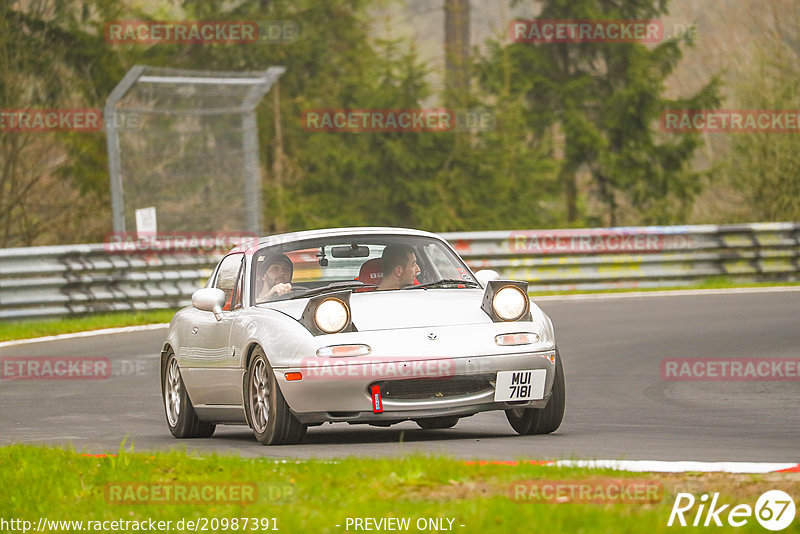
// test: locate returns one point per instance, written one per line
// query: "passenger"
(399, 267)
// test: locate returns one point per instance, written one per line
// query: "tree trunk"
(567, 178)
(456, 51)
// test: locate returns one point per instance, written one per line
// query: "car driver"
(276, 277)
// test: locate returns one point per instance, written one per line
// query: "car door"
(207, 358)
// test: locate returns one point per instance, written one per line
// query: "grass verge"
(317, 495)
(49, 327)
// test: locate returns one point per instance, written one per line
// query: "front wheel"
(267, 412)
(181, 417)
(527, 421)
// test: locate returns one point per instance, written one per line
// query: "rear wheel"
(267, 412)
(181, 417)
(545, 420)
(437, 423)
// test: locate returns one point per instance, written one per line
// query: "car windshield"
(361, 263)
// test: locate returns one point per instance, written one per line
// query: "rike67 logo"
(774, 510)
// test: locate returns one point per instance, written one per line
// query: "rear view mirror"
(350, 251)
(209, 299)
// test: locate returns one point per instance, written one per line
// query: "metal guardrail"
(630, 257)
(77, 279)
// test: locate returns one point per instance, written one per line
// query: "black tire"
(267, 412)
(178, 410)
(528, 421)
(437, 423)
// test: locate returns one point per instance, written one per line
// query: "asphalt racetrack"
(618, 406)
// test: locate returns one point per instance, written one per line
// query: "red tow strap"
(377, 403)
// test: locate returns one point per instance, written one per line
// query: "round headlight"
(332, 315)
(509, 303)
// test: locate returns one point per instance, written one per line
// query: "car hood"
(411, 308)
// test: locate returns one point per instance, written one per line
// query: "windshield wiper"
(444, 282)
(335, 286)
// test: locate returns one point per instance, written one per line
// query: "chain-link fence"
(186, 143)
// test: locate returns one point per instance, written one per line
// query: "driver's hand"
(279, 289)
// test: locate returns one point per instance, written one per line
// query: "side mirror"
(485, 276)
(209, 299)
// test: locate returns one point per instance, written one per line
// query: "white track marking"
(672, 293)
(658, 466)
(90, 333)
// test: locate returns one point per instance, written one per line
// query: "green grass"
(315, 496)
(49, 327)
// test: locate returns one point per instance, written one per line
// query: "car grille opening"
(434, 388)
(343, 414)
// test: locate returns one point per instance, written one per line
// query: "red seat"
(371, 272)
(227, 305)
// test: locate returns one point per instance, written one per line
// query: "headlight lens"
(509, 303)
(332, 315)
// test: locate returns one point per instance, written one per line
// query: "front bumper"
(341, 392)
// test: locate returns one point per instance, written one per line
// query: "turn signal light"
(343, 351)
(522, 338)
(291, 377)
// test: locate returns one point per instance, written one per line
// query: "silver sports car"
(357, 325)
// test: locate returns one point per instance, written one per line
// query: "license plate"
(520, 385)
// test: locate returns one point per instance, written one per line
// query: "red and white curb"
(657, 466)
